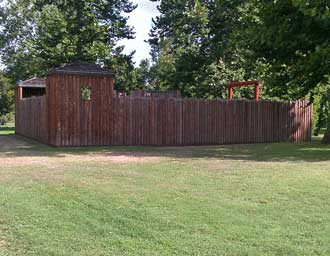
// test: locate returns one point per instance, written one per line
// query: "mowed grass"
(7, 130)
(264, 199)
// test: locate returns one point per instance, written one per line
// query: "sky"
(141, 20)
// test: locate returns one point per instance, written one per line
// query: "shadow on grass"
(16, 146)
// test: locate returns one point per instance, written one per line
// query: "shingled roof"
(83, 69)
(33, 82)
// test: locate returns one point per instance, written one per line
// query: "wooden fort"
(76, 106)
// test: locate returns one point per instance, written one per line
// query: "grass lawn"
(7, 130)
(265, 199)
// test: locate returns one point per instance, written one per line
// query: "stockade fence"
(173, 121)
(31, 118)
(157, 93)
(134, 120)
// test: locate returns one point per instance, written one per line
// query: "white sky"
(141, 20)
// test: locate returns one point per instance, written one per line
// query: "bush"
(4, 119)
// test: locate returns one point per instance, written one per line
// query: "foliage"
(199, 46)
(318, 114)
(39, 35)
(324, 111)
(6, 100)
(128, 77)
(293, 38)
(194, 46)
(321, 96)
(123, 67)
(86, 93)
(142, 75)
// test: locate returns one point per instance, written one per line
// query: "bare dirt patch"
(125, 157)
(3, 243)
(16, 152)
(58, 161)
(25, 161)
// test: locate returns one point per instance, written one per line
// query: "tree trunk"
(326, 137)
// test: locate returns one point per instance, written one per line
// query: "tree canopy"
(293, 38)
(6, 99)
(39, 35)
(193, 46)
(199, 46)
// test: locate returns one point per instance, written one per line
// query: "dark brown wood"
(63, 118)
(154, 93)
(201, 122)
(31, 118)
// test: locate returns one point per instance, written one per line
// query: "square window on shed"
(86, 93)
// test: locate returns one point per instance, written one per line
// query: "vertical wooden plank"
(291, 121)
(71, 115)
(155, 121)
(298, 123)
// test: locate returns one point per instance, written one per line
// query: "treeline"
(198, 46)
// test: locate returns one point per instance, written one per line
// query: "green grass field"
(264, 199)
(7, 130)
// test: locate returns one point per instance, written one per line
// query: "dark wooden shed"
(74, 110)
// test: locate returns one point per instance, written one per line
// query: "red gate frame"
(256, 84)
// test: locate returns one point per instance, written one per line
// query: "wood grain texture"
(63, 118)
(175, 121)
(31, 118)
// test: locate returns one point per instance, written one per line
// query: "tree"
(142, 75)
(196, 46)
(293, 38)
(123, 67)
(39, 35)
(326, 138)
(6, 99)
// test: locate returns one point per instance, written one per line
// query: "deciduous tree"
(39, 35)
(196, 46)
(293, 38)
(6, 98)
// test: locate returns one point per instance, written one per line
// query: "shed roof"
(81, 68)
(34, 82)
